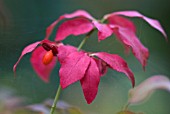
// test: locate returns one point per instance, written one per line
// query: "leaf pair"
(84, 67)
(75, 66)
(82, 22)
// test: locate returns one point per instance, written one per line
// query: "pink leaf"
(102, 66)
(141, 92)
(154, 23)
(117, 63)
(64, 51)
(90, 81)
(129, 39)
(42, 70)
(73, 68)
(78, 13)
(26, 50)
(125, 31)
(75, 27)
(121, 21)
(104, 30)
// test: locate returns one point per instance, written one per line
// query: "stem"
(55, 100)
(102, 20)
(84, 40)
(59, 87)
(125, 107)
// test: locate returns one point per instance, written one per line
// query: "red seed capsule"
(48, 57)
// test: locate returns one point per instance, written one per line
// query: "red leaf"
(64, 51)
(129, 39)
(102, 66)
(104, 30)
(125, 30)
(73, 68)
(42, 70)
(26, 50)
(117, 63)
(154, 23)
(75, 27)
(121, 21)
(90, 81)
(78, 13)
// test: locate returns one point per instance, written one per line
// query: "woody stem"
(53, 107)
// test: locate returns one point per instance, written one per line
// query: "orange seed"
(48, 57)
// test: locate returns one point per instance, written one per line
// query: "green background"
(24, 21)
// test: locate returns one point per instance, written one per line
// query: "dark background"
(23, 22)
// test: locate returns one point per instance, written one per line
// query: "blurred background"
(24, 21)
